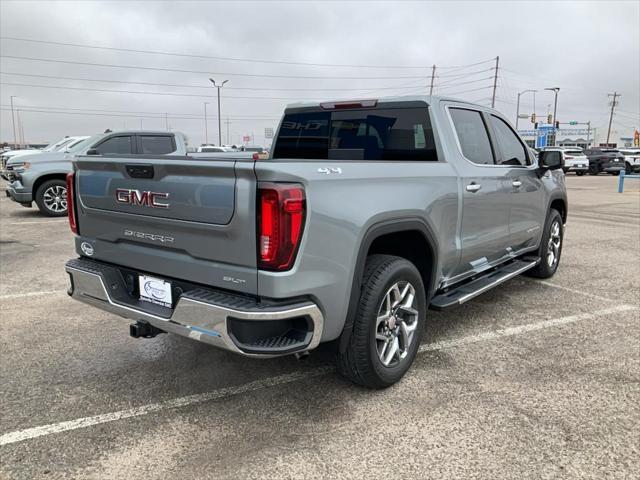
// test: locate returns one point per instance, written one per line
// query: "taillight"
(281, 212)
(71, 207)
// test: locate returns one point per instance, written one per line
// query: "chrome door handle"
(516, 183)
(473, 187)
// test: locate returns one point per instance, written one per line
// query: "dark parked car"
(604, 159)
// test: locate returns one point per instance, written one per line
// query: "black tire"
(594, 169)
(615, 174)
(49, 202)
(579, 174)
(627, 168)
(545, 269)
(361, 362)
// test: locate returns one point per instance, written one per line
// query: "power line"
(194, 86)
(449, 85)
(140, 92)
(150, 117)
(234, 59)
(160, 69)
(134, 112)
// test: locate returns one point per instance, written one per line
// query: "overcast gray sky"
(588, 49)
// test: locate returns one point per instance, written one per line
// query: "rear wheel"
(389, 323)
(550, 247)
(579, 174)
(51, 198)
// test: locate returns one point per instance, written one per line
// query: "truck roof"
(143, 132)
(428, 99)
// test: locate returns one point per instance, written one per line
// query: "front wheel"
(627, 168)
(51, 198)
(389, 323)
(550, 247)
(594, 169)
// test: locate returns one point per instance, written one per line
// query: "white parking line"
(63, 220)
(30, 294)
(577, 292)
(35, 432)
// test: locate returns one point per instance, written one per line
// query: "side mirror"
(93, 151)
(550, 159)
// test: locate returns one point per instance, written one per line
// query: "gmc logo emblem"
(145, 199)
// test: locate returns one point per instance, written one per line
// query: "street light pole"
(13, 121)
(518, 104)
(219, 118)
(555, 90)
(206, 128)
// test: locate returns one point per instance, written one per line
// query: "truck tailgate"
(177, 217)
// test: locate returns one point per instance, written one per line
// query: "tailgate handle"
(140, 171)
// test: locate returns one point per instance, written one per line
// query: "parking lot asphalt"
(535, 379)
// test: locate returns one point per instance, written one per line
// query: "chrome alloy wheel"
(553, 248)
(396, 323)
(55, 198)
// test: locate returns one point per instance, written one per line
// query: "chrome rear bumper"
(200, 314)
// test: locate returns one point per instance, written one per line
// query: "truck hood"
(40, 158)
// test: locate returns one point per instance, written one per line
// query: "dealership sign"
(546, 130)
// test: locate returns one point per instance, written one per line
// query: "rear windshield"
(380, 134)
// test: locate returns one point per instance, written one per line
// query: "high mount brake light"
(71, 207)
(349, 104)
(281, 215)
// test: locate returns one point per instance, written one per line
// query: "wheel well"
(45, 178)
(560, 206)
(409, 244)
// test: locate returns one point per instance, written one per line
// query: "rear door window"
(156, 144)
(115, 145)
(512, 149)
(472, 135)
(393, 134)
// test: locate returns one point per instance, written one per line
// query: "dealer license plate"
(155, 290)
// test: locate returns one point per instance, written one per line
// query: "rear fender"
(375, 231)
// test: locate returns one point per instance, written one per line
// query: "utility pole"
(228, 122)
(13, 121)
(20, 129)
(219, 87)
(433, 78)
(613, 105)
(206, 128)
(495, 83)
(166, 121)
(589, 134)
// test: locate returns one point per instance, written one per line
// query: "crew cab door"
(524, 186)
(484, 232)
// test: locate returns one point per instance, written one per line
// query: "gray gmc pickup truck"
(366, 214)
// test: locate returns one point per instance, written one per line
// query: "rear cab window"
(384, 134)
(473, 135)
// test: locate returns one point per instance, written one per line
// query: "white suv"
(631, 159)
(573, 159)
